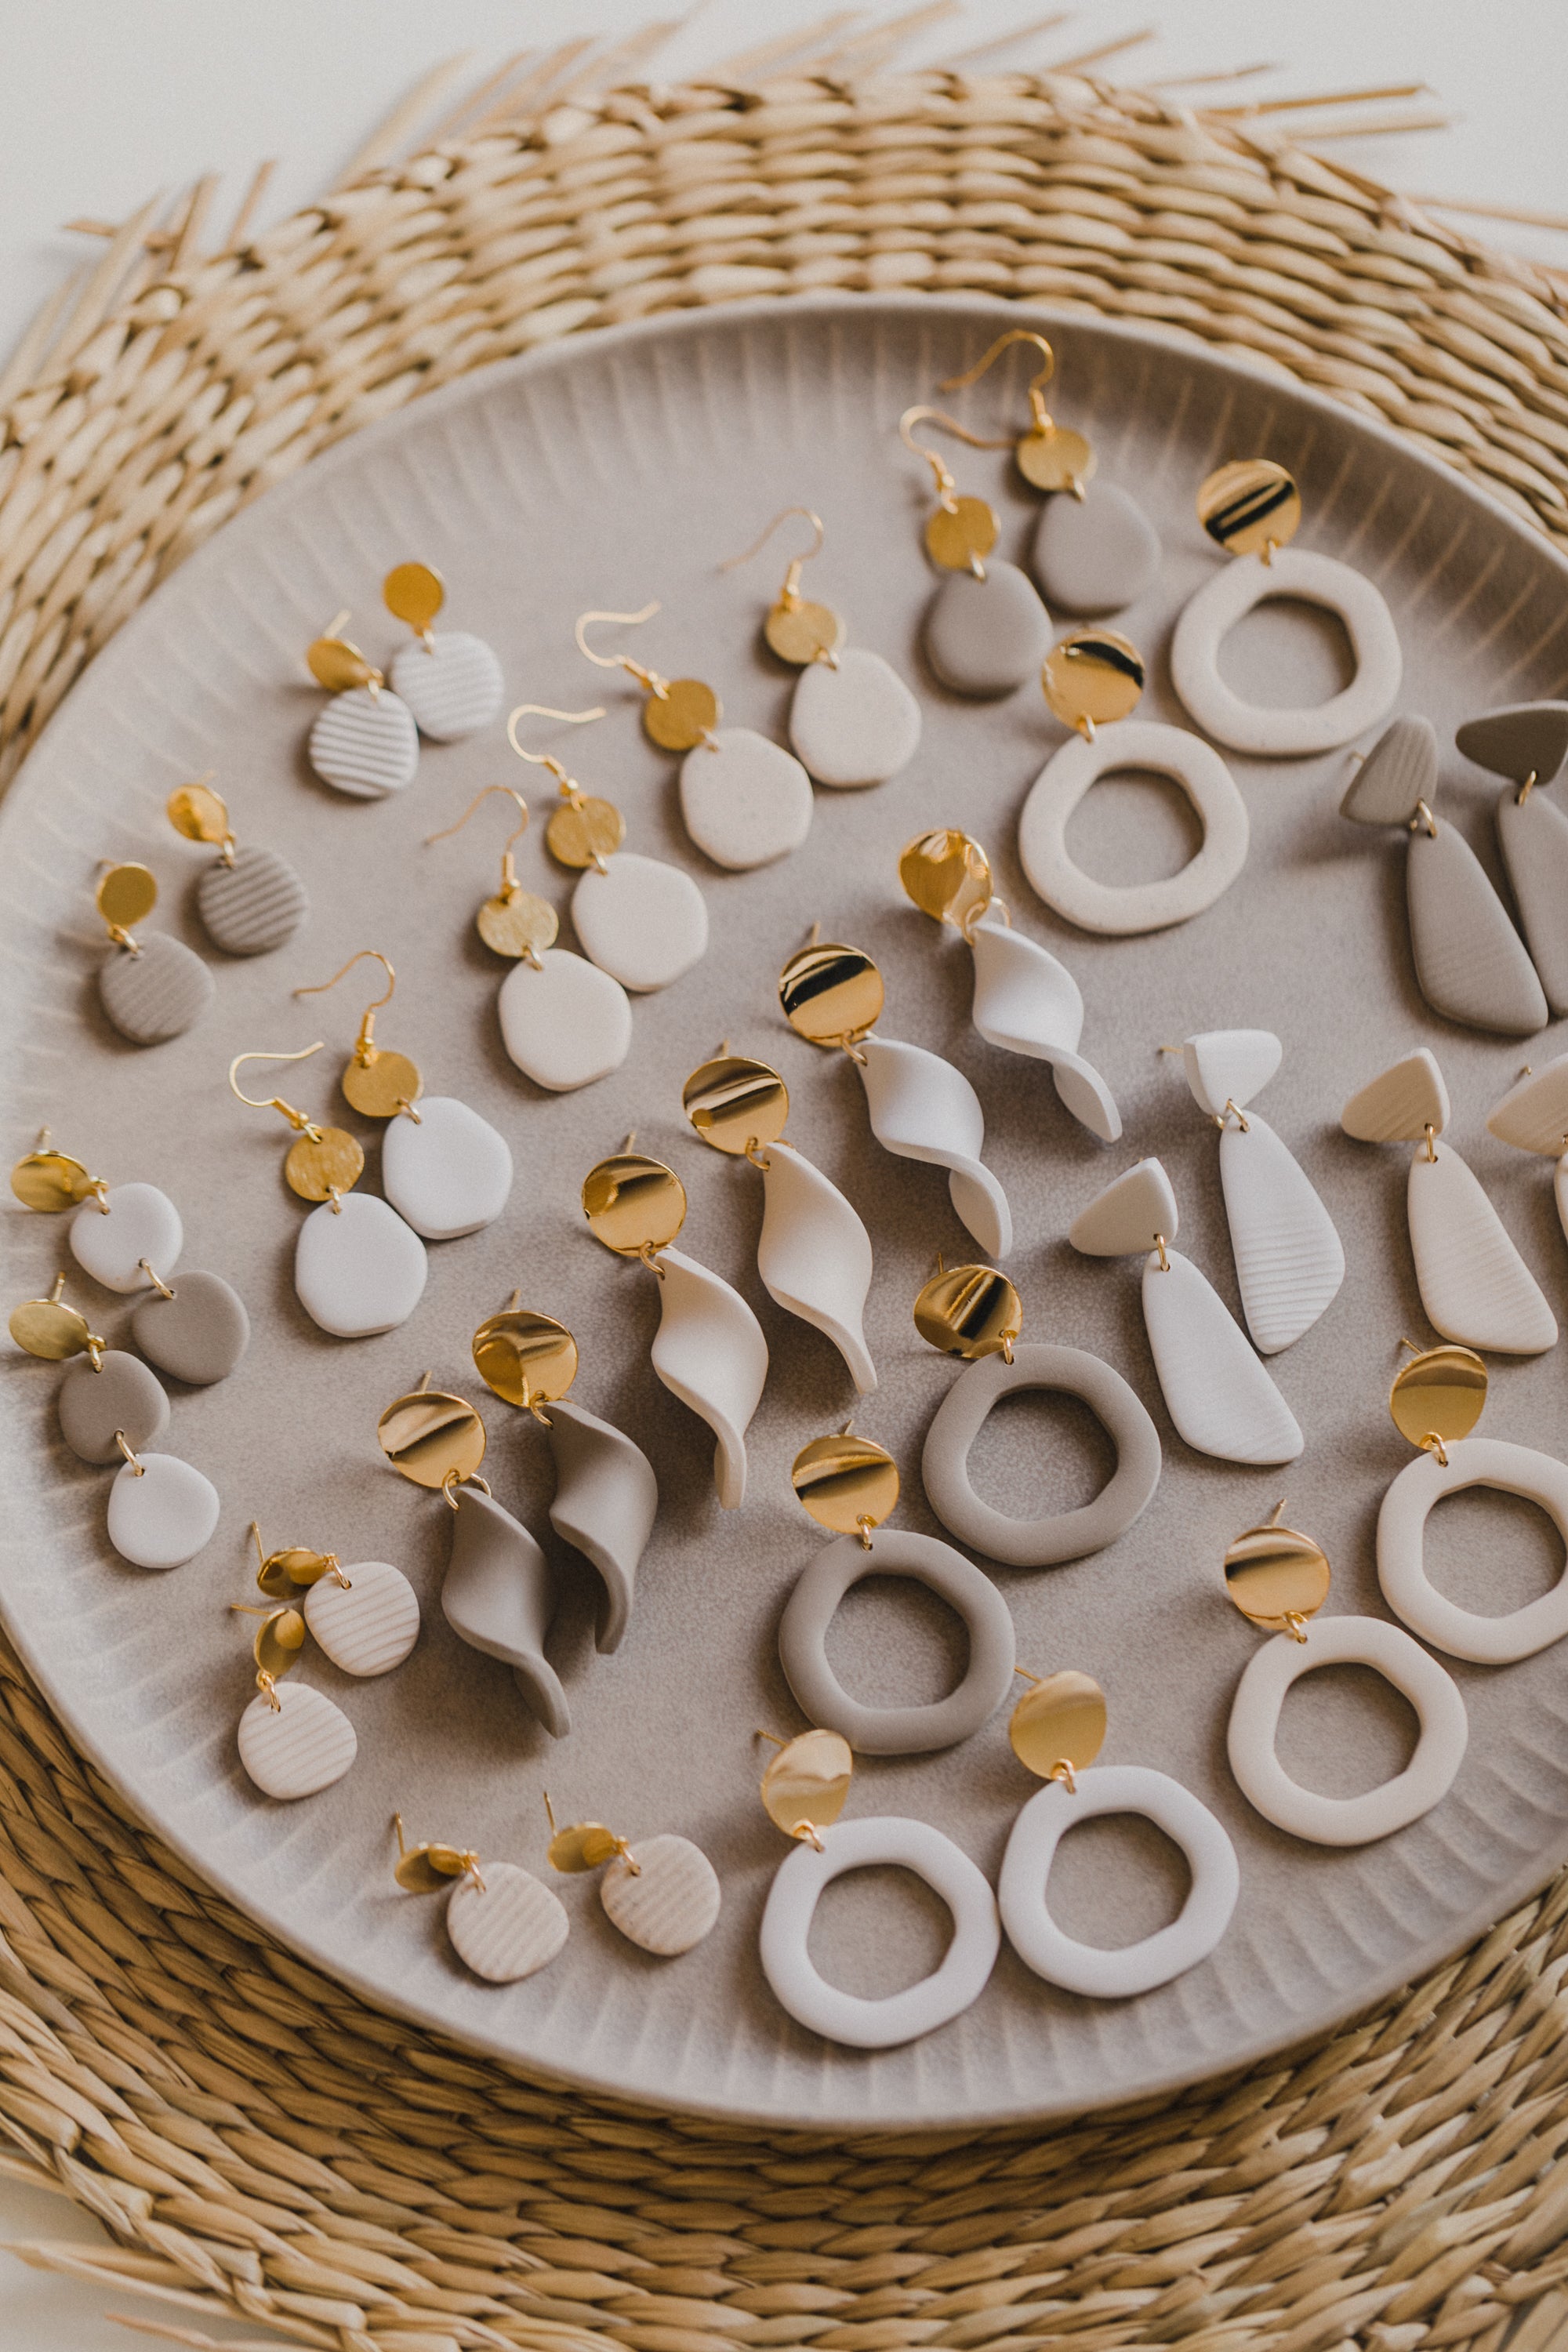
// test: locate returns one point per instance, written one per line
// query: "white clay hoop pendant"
(1507, 1469)
(746, 801)
(1121, 910)
(798, 1885)
(1208, 619)
(1131, 1968)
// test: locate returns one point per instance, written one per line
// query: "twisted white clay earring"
(985, 629)
(1252, 508)
(503, 1923)
(1527, 743)
(663, 1894)
(1533, 1117)
(452, 682)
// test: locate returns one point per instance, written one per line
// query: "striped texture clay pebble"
(369, 1625)
(453, 685)
(365, 744)
(253, 906)
(506, 1928)
(669, 1902)
(296, 1746)
(157, 992)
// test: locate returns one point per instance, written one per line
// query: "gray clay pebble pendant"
(503, 1923)
(122, 1396)
(199, 1335)
(1400, 770)
(136, 1221)
(986, 637)
(368, 1623)
(745, 801)
(446, 1172)
(853, 722)
(1533, 835)
(668, 1902)
(1096, 553)
(161, 1512)
(1524, 739)
(453, 685)
(1470, 960)
(295, 1742)
(365, 744)
(253, 906)
(156, 991)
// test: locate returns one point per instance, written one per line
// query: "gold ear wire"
(273, 1102)
(797, 632)
(516, 834)
(757, 545)
(1037, 383)
(321, 986)
(379, 1083)
(922, 413)
(613, 661)
(679, 713)
(572, 718)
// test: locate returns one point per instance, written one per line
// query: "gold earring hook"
(1037, 383)
(922, 413)
(615, 661)
(506, 790)
(375, 956)
(543, 711)
(273, 1102)
(406, 1080)
(757, 545)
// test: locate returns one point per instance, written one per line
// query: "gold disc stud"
(429, 1436)
(807, 1783)
(295, 1564)
(947, 874)
(317, 1166)
(584, 1845)
(278, 1642)
(1250, 506)
(832, 995)
(50, 1182)
(731, 1102)
(198, 813)
(525, 1357)
(969, 1311)
(846, 1482)
(426, 1869)
(48, 1328)
(679, 718)
(1059, 1720)
(125, 894)
(1092, 677)
(1276, 1576)
(338, 665)
(1439, 1394)
(633, 1203)
(414, 592)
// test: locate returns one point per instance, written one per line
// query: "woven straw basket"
(257, 2141)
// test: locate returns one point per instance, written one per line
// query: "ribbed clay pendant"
(451, 682)
(364, 743)
(250, 901)
(150, 988)
(365, 1616)
(294, 1742)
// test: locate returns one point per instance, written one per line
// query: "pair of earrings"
(366, 741)
(250, 901)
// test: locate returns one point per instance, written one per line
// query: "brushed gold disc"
(1440, 1394)
(679, 718)
(426, 1869)
(801, 632)
(414, 592)
(845, 1480)
(338, 665)
(278, 1642)
(515, 922)
(295, 1564)
(958, 534)
(1250, 505)
(583, 1846)
(1056, 460)
(125, 894)
(732, 1101)
(1092, 677)
(319, 1166)
(430, 1436)
(46, 1328)
(1059, 1720)
(1275, 1574)
(807, 1782)
(831, 994)
(50, 1180)
(947, 874)
(527, 1359)
(969, 1311)
(379, 1085)
(583, 830)
(197, 811)
(633, 1203)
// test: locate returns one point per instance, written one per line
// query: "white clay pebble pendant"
(154, 992)
(294, 1742)
(565, 1022)
(1095, 552)
(745, 801)
(358, 1268)
(367, 1622)
(365, 744)
(504, 1923)
(984, 637)
(161, 1511)
(135, 1222)
(854, 721)
(668, 1901)
(644, 922)
(445, 1170)
(197, 1334)
(451, 682)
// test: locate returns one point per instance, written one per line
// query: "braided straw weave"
(260, 2142)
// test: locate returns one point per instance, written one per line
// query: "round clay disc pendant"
(745, 801)
(986, 637)
(367, 1625)
(453, 685)
(199, 1335)
(295, 1742)
(161, 1511)
(253, 906)
(122, 1396)
(508, 1927)
(855, 723)
(358, 1269)
(156, 991)
(1096, 553)
(365, 744)
(567, 1024)
(450, 1172)
(671, 1899)
(642, 921)
(137, 1221)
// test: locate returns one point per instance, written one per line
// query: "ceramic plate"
(606, 472)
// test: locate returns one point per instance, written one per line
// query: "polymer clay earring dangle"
(804, 1791)
(1470, 964)
(1090, 680)
(708, 1350)
(812, 1252)
(850, 1485)
(975, 1312)
(293, 1740)
(1056, 1731)
(1024, 1001)
(1290, 1262)
(1475, 1286)
(358, 1268)
(1220, 1397)
(1533, 1117)
(663, 1894)
(250, 901)
(452, 683)
(365, 1616)
(922, 1107)
(1527, 743)
(150, 988)
(502, 1922)
(1279, 1579)
(445, 1170)
(364, 743)
(985, 629)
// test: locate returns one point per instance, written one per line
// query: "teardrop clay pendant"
(606, 1497)
(295, 1742)
(1218, 1394)
(365, 744)
(253, 906)
(358, 1268)
(161, 1512)
(154, 992)
(745, 801)
(136, 1221)
(642, 921)
(500, 1597)
(710, 1352)
(815, 1255)
(447, 1172)
(368, 1623)
(503, 1923)
(1470, 960)
(451, 682)
(664, 1896)
(1476, 1289)
(985, 637)
(853, 722)
(1096, 553)
(120, 1399)
(567, 1024)
(199, 1335)
(1533, 835)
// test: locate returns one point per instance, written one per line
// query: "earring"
(745, 801)
(1533, 1117)
(804, 1791)
(1474, 1288)
(1279, 1579)
(161, 1511)
(644, 922)
(1290, 1262)
(364, 742)
(975, 1312)
(153, 988)
(1056, 1731)
(250, 901)
(365, 1617)
(985, 629)
(1253, 507)
(850, 1485)
(358, 1268)
(294, 1741)
(1024, 1001)
(708, 1350)
(607, 1495)
(663, 1894)
(563, 1021)
(1220, 1397)
(1470, 964)
(852, 720)
(503, 1923)
(445, 1170)
(1090, 679)
(451, 683)
(1527, 743)
(922, 1107)
(499, 1595)
(812, 1252)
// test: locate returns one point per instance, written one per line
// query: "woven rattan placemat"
(260, 2142)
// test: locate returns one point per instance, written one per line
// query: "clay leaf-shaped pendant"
(1475, 1286)
(295, 1742)
(815, 1255)
(1217, 1393)
(711, 1353)
(199, 1335)
(745, 800)
(368, 1623)
(1470, 960)
(853, 721)
(567, 1024)
(446, 1173)
(136, 1221)
(504, 1924)
(642, 921)
(1288, 1258)
(606, 1500)
(986, 637)
(1027, 1002)
(500, 1597)
(452, 683)
(358, 1268)
(922, 1108)
(365, 744)
(669, 1902)
(162, 1514)
(1533, 835)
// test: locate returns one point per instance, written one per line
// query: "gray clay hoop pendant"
(161, 1511)
(1527, 743)
(853, 721)
(365, 744)
(294, 1742)
(745, 801)
(446, 1170)
(1097, 551)
(197, 1335)
(120, 1399)
(109, 1239)
(251, 902)
(154, 990)
(451, 682)
(500, 1596)
(986, 634)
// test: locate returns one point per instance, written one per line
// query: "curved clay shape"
(711, 1353)
(1401, 1542)
(1230, 1066)
(1471, 963)
(1474, 1285)
(1289, 1261)
(815, 1255)
(1027, 1002)
(1066, 1534)
(1218, 1394)
(1118, 910)
(606, 1500)
(1226, 598)
(922, 1108)
(500, 1596)
(1532, 834)
(1137, 1209)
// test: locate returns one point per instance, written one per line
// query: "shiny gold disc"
(633, 1203)
(831, 994)
(295, 1564)
(414, 592)
(807, 1784)
(516, 923)
(679, 718)
(1056, 460)
(843, 1481)
(1439, 1394)
(584, 1846)
(583, 831)
(426, 1869)
(969, 1311)
(947, 874)
(1274, 1575)
(1250, 505)
(802, 633)
(197, 811)
(1093, 677)
(338, 665)
(958, 534)
(430, 1436)
(1059, 1720)
(50, 1180)
(527, 1359)
(378, 1086)
(47, 1329)
(278, 1642)
(125, 894)
(731, 1102)
(320, 1165)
